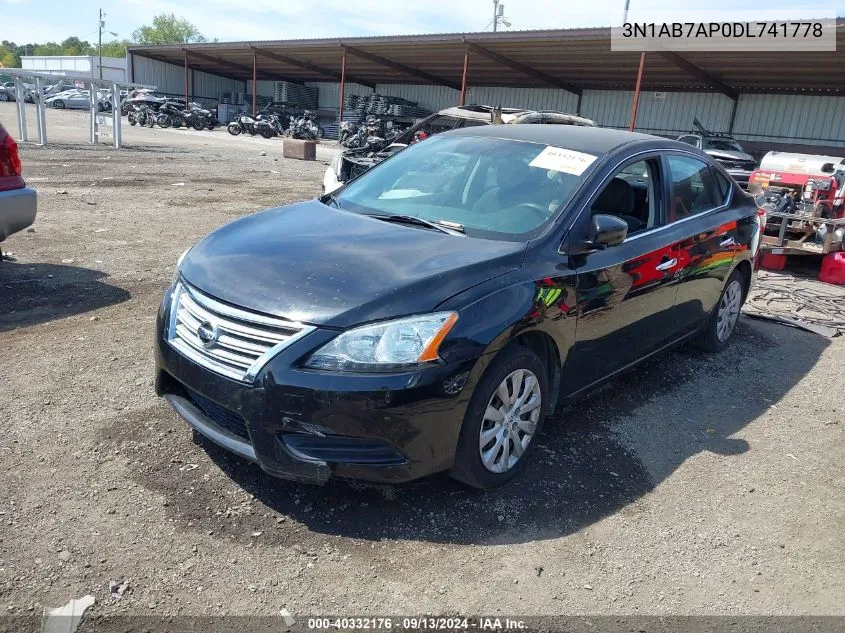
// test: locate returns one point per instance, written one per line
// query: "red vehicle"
(802, 184)
(18, 202)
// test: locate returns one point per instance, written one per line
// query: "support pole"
(21, 104)
(117, 133)
(733, 115)
(92, 111)
(186, 76)
(254, 83)
(39, 111)
(342, 95)
(635, 106)
(464, 79)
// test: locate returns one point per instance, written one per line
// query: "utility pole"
(100, 41)
(499, 15)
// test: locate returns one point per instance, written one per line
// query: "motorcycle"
(243, 124)
(140, 115)
(170, 114)
(347, 130)
(269, 125)
(199, 118)
(305, 127)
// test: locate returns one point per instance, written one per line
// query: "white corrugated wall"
(328, 93)
(668, 114)
(170, 79)
(805, 119)
(529, 98)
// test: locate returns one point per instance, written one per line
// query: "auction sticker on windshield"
(564, 160)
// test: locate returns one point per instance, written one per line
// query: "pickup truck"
(18, 203)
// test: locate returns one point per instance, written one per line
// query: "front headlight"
(389, 346)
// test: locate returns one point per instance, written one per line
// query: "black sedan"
(429, 315)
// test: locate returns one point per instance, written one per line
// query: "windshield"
(494, 188)
(725, 145)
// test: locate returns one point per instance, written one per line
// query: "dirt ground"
(698, 484)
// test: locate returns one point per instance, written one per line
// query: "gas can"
(833, 269)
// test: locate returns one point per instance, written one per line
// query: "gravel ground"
(698, 484)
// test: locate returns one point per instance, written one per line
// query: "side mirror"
(605, 231)
(828, 168)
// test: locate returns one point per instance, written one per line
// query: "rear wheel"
(722, 322)
(503, 419)
(58, 103)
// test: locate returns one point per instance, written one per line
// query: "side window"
(723, 186)
(632, 196)
(693, 188)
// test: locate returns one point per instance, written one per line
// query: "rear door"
(700, 218)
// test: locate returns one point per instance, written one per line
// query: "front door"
(625, 293)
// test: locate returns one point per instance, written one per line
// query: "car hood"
(719, 154)
(317, 264)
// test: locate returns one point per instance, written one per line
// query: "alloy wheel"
(728, 313)
(510, 421)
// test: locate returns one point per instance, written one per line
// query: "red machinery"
(802, 184)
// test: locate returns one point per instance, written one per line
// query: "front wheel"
(198, 125)
(164, 121)
(267, 132)
(503, 419)
(234, 129)
(59, 104)
(723, 319)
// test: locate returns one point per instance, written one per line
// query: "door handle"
(728, 241)
(667, 265)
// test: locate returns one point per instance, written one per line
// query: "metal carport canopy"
(572, 59)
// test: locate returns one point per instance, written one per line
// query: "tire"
(469, 466)
(234, 129)
(198, 124)
(164, 121)
(151, 120)
(4, 96)
(724, 317)
(267, 132)
(59, 104)
(131, 118)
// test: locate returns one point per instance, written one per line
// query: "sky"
(24, 21)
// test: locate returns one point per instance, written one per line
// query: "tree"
(75, 46)
(167, 29)
(48, 48)
(9, 58)
(117, 48)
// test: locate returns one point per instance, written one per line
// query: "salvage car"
(18, 203)
(431, 313)
(354, 162)
(725, 149)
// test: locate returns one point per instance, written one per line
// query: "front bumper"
(308, 426)
(17, 210)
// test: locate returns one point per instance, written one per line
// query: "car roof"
(592, 140)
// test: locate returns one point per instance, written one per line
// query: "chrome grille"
(230, 341)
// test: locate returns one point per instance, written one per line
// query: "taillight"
(10, 161)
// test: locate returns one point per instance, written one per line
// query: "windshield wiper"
(444, 226)
(330, 197)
